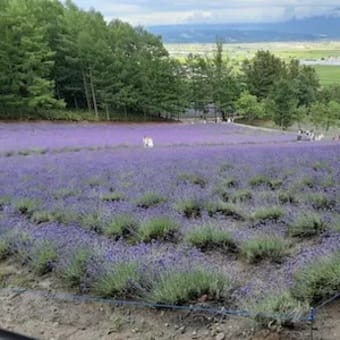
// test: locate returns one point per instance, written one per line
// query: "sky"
(161, 12)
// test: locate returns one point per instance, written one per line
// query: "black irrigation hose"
(190, 308)
(310, 318)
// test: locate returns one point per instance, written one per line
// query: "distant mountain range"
(311, 29)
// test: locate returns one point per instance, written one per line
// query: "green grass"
(328, 74)
(120, 281)
(27, 206)
(267, 247)
(112, 197)
(183, 287)
(158, 228)
(318, 281)
(190, 207)
(121, 226)
(150, 199)
(75, 267)
(267, 213)
(234, 211)
(306, 224)
(43, 255)
(4, 249)
(208, 237)
(279, 309)
(42, 216)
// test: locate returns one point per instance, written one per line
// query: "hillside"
(311, 29)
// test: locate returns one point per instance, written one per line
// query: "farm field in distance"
(214, 215)
(307, 51)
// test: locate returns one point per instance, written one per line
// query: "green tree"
(262, 72)
(249, 106)
(325, 115)
(284, 102)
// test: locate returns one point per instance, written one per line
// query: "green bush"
(183, 287)
(112, 197)
(158, 228)
(193, 179)
(64, 216)
(226, 209)
(150, 199)
(268, 213)
(121, 226)
(43, 216)
(287, 197)
(306, 224)
(267, 247)
(279, 309)
(43, 255)
(209, 237)
(259, 180)
(242, 195)
(189, 207)
(92, 221)
(4, 200)
(319, 280)
(319, 201)
(121, 281)
(75, 267)
(230, 182)
(27, 206)
(4, 249)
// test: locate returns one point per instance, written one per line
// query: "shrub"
(122, 280)
(159, 228)
(306, 224)
(279, 309)
(268, 213)
(230, 182)
(319, 280)
(267, 247)
(39, 217)
(112, 197)
(307, 181)
(320, 165)
(64, 193)
(42, 257)
(193, 179)
(209, 237)
(94, 182)
(226, 209)
(27, 206)
(4, 200)
(75, 267)
(64, 216)
(259, 180)
(183, 287)
(4, 249)
(150, 199)
(241, 196)
(287, 197)
(320, 201)
(92, 221)
(275, 184)
(189, 207)
(121, 226)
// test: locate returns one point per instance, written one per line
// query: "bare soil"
(44, 317)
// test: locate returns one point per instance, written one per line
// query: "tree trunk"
(93, 95)
(88, 101)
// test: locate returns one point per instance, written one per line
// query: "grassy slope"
(238, 52)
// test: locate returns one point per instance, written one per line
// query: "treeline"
(56, 60)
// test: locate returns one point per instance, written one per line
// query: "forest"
(58, 61)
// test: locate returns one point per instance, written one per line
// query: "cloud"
(157, 12)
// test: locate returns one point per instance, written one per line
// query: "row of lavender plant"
(217, 198)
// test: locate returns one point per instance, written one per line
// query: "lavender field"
(215, 213)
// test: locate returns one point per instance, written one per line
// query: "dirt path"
(44, 317)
